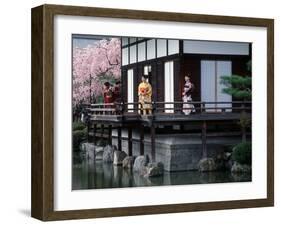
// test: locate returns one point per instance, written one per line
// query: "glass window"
(141, 51)
(132, 40)
(161, 47)
(151, 49)
(173, 47)
(125, 41)
(133, 54)
(125, 56)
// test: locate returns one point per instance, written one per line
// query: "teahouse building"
(167, 61)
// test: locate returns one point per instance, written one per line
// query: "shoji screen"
(208, 79)
(211, 87)
(130, 79)
(224, 68)
(169, 85)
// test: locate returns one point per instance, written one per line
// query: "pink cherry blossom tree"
(98, 62)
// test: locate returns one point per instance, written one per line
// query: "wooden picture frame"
(42, 203)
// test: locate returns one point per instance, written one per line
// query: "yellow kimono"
(145, 93)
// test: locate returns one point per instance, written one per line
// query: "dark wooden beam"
(204, 140)
(102, 132)
(88, 131)
(119, 131)
(152, 131)
(130, 141)
(110, 134)
(141, 140)
(94, 133)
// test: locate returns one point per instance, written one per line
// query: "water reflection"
(89, 175)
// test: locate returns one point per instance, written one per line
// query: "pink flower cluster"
(98, 61)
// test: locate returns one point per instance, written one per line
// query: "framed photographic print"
(141, 112)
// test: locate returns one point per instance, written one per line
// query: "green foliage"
(77, 137)
(245, 121)
(249, 65)
(78, 126)
(238, 86)
(242, 153)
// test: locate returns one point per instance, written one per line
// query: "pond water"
(97, 175)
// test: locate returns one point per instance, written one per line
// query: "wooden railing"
(176, 107)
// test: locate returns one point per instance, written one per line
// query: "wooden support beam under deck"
(102, 132)
(152, 133)
(94, 133)
(141, 140)
(119, 131)
(130, 141)
(110, 134)
(204, 139)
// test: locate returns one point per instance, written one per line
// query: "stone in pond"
(154, 169)
(240, 168)
(141, 163)
(128, 162)
(89, 149)
(108, 153)
(207, 164)
(118, 157)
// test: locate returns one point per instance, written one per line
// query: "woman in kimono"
(145, 93)
(186, 96)
(107, 95)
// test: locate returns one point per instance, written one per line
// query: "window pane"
(125, 57)
(132, 40)
(124, 41)
(133, 54)
(161, 47)
(141, 51)
(173, 47)
(151, 49)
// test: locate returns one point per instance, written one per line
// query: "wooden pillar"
(152, 131)
(204, 140)
(88, 129)
(130, 141)
(141, 140)
(94, 133)
(102, 132)
(119, 130)
(110, 134)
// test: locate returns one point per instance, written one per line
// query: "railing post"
(202, 108)
(204, 140)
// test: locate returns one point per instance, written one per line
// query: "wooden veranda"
(127, 115)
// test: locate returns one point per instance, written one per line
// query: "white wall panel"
(208, 47)
(169, 85)
(224, 68)
(130, 87)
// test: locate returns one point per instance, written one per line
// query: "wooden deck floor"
(166, 118)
